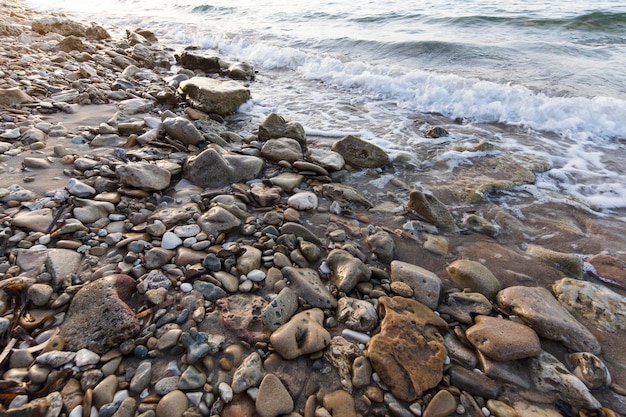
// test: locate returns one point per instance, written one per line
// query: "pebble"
(273, 398)
(172, 404)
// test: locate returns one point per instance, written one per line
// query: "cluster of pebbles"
(156, 263)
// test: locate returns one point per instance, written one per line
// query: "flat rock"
(218, 220)
(88, 211)
(307, 284)
(214, 96)
(183, 130)
(282, 149)
(280, 309)
(36, 220)
(241, 313)
(475, 276)
(340, 404)
(503, 340)
(408, 353)
(330, 160)
(610, 269)
(62, 26)
(347, 270)
(304, 200)
(569, 263)
(98, 319)
(287, 180)
(594, 302)
(302, 335)
(442, 404)
(61, 264)
(538, 307)
(463, 306)
(360, 153)
(425, 284)
(144, 176)
(14, 96)
(171, 216)
(433, 210)
(215, 167)
(273, 399)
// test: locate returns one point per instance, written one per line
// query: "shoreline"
(280, 291)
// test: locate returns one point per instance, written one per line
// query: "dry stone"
(215, 167)
(503, 340)
(98, 318)
(215, 96)
(301, 335)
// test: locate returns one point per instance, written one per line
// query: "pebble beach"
(156, 260)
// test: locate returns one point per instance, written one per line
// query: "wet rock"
(265, 196)
(382, 245)
(301, 335)
(463, 306)
(358, 315)
(330, 160)
(214, 96)
(503, 340)
(475, 276)
(157, 257)
(590, 369)
(435, 132)
(144, 176)
(307, 284)
(183, 130)
(473, 382)
(347, 270)
(249, 374)
(300, 231)
(433, 210)
(98, 319)
(274, 126)
(209, 291)
(568, 263)
(214, 167)
(194, 62)
(426, 285)
(218, 220)
(552, 377)
(610, 269)
(595, 303)
(280, 309)
(191, 379)
(409, 353)
(241, 71)
(360, 153)
(282, 149)
(287, 181)
(537, 307)
(199, 345)
(273, 399)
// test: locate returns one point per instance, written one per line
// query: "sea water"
(543, 78)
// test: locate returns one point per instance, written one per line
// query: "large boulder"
(99, 318)
(408, 353)
(62, 26)
(214, 96)
(208, 64)
(360, 153)
(215, 167)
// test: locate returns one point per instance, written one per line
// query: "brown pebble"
(443, 404)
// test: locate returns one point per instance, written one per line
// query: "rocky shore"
(162, 255)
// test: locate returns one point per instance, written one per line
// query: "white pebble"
(447, 360)
(226, 392)
(120, 396)
(77, 411)
(460, 409)
(358, 336)
(44, 240)
(324, 268)
(486, 411)
(170, 241)
(186, 287)
(256, 275)
(195, 397)
(253, 392)
(86, 357)
(416, 409)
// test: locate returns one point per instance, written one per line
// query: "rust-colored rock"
(408, 354)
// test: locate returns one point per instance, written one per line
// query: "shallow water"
(533, 78)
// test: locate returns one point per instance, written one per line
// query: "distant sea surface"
(539, 77)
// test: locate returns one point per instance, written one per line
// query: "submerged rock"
(433, 210)
(360, 153)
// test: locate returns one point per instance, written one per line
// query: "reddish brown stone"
(408, 354)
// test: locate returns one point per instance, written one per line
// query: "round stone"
(173, 404)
